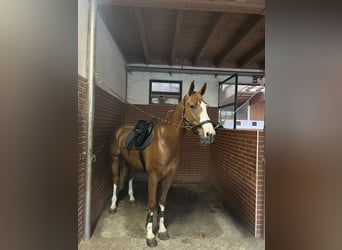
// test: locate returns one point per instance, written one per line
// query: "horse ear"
(191, 89)
(204, 87)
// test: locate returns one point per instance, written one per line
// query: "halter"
(193, 126)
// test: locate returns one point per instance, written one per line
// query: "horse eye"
(192, 106)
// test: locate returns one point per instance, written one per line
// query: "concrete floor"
(195, 218)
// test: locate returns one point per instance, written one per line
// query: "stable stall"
(136, 60)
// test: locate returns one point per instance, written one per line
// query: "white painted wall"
(110, 64)
(138, 85)
(83, 7)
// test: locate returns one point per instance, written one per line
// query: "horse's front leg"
(162, 231)
(152, 190)
(115, 172)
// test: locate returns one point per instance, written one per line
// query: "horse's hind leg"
(115, 172)
(130, 185)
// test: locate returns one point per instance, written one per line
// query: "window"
(241, 104)
(165, 92)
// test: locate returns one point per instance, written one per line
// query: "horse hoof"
(164, 236)
(151, 242)
(112, 211)
(132, 202)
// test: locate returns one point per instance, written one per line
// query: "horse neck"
(175, 117)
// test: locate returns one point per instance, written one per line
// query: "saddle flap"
(142, 130)
(141, 135)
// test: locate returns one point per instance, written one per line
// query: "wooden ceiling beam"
(251, 54)
(176, 35)
(216, 24)
(246, 6)
(251, 23)
(142, 33)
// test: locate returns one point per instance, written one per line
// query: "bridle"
(193, 127)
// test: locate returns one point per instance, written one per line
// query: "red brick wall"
(233, 162)
(109, 114)
(194, 166)
(81, 147)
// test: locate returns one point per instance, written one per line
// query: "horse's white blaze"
(130, 190)
(207, 127)
(162, 228)
(149, 227)
(113, 206)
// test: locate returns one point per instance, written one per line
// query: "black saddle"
(141, 136)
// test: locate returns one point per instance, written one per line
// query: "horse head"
(195, 114)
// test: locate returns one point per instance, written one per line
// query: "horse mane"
(171, 112)
(173, 109)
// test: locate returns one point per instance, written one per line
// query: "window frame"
(234, 104)
(176, 94)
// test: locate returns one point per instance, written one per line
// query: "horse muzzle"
(206, 131)
(207, 138)
(207, 135)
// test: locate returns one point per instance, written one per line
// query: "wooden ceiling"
(203, 33)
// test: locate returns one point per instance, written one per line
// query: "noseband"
(193, 127)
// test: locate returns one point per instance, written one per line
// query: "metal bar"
(192, 70)
(243, 84)
(90, 114)
(227, 105)
(228, 78)
(235, 99)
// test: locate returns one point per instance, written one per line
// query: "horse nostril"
(210, 136)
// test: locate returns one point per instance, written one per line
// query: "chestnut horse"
(163, 155)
